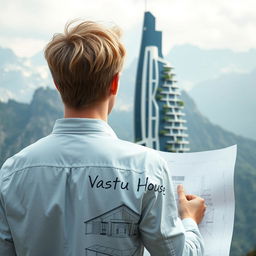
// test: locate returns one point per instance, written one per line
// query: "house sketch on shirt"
(120, 222)
(98, 250)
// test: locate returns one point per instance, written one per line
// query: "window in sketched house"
(104, 226)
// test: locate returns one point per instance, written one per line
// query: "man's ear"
(114, 84)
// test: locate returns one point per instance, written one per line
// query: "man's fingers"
(190, 197)
(181, 192)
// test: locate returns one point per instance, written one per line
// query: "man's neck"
(97, 111)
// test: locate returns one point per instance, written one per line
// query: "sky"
(27, 25)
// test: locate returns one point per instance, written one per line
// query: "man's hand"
(190, 206)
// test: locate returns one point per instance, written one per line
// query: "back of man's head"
(83, 62)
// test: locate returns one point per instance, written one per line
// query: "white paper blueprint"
(209, 174)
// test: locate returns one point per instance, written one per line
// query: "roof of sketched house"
(125, 207)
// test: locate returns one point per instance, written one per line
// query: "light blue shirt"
(81, 191)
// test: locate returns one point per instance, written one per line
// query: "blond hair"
(83, 61)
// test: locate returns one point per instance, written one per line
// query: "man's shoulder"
(23, 158)
(59, 152)
(140, 156)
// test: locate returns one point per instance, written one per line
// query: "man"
(81, 190)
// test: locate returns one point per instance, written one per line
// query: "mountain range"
(230, 101)
(221, 81)
(24, 123)
(194, 65)
(19, 77)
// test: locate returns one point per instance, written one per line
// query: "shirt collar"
(82, 125)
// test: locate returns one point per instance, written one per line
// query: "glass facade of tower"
(158, 116)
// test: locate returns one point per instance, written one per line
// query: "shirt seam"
(70, 166)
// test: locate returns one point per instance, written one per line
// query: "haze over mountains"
(221, 82)
(19, 77)
(194, 65)
(229, 100)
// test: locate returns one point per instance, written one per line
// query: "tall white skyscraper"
(159, 119)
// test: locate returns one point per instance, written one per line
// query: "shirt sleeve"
(6, 242)
(162, 231)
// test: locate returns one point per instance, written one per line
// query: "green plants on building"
(159, 97)
(169, 147)
(159, 90)
(167, 119)
(167, 69)
(180, 103)
(163, 132)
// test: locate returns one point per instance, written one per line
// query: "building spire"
(146, 5)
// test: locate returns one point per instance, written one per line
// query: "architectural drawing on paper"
(203, 190)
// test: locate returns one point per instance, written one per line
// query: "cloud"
(233, 69)
(187, 85)
(206, 23)
(23, 46)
